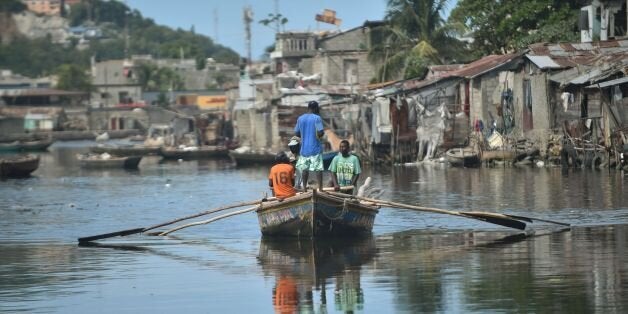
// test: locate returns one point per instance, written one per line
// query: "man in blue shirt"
(310, 129)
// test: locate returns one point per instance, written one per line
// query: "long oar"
(144, 229)
(511, 221)
(204, 222)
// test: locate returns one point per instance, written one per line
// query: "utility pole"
(277, 24)
(248, 19)
(216, 25)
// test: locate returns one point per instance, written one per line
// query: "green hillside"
(36, 57)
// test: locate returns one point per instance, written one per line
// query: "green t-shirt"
(345, 168)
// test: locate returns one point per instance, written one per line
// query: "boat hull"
(26, 146)
(460, 157)
(251, 158)
(93, 162)
(18, 167)
(201, 153)
(129, 150)
(315, 214)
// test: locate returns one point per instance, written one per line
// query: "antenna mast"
(216, 25)
(248, 18)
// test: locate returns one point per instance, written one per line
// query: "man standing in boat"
(345, 167)
(281, 177)
(310, 129)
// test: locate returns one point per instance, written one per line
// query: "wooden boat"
(190, 153)
(506, 154)
(106, 161)
(268, 158)
(125, 150)
(26, 146)
(251, 157)
(463, 157)
(315, 214)
(18, 166)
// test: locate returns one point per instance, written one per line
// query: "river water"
(413, 263)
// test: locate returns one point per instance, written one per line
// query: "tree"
(509, 25)
(73, 77)
(153, 78)
(277, 20)
(12, 6)
(414, 36)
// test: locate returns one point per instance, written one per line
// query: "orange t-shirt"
(282, 176)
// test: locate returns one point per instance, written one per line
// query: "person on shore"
(281, 177)
(345, 167)
(310, 129)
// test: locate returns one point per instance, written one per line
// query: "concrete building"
(47, 7)
(12, 83)
(340, 57)
(214, 75)
(116, 84)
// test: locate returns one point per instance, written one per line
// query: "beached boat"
(463, 157)
(125, 150)
(26, 146)
(314, 214)
(106, 161)
(194, 152)
(18, 166)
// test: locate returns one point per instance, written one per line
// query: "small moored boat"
(106, 161)
(463, 157)
(194, 152)
(125, 150)
(26, 145)
(246, 156)
(314, 214)
(18, 166)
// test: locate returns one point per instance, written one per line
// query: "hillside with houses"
(536, 99)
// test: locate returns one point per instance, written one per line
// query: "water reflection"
(481, 272)
(301, 267)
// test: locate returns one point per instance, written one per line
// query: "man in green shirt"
(345, 167)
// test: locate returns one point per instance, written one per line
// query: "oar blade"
(506, 222)
(110, 235)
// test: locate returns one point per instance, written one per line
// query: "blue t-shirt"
(308, 125)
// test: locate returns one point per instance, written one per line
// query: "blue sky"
(230, 28)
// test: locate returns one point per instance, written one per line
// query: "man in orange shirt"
(281, 177)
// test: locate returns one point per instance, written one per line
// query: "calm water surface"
(413, 263)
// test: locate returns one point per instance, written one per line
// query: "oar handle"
(111, 235)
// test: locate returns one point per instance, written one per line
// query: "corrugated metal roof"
(610, 83)
(40, 92)
(544, 62)
(483, 65)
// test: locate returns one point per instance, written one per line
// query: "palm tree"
(415, 36)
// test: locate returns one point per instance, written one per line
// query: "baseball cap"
(295, 140)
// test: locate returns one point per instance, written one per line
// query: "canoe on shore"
(489, 155)
(106, 161)
(190, 153)
(316, 214)
(18, 166)
(463, 157)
